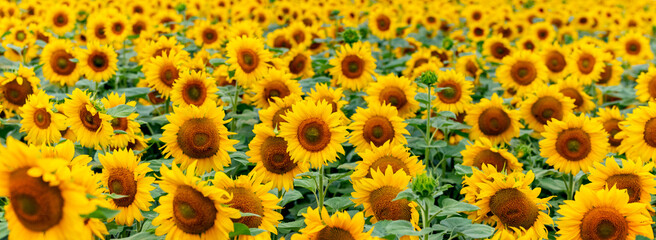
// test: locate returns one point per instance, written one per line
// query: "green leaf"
(339, 203)
(404, 228)
(115, 196)
(217, 61)
(290, 196)
(463, 170)
(307, 183)
(478, 231)
(121, 111)
(102, 213)
(247, 214)
(143, 236)
(406, 194)
(120, 132)
(454, 206)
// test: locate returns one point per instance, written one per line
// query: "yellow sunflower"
(272, 116)
(353, 66)
(376, 125)
(398, 91)
(248, 58)
(40, 123)
(496, 48)
(611, 118)
(279, 39)
(491, 119)
(377, 194)
(299, 34)
(57, 65)
(194, 88)
(208, 35)
(249, 195)
(543, 105)
(456, 91)
(646, 87)
(192, 209)
(612, 74)
(513, 205)
(275, 83)
(603, 214)
(124, 174)
(555, 59)
(634, 48)
(198, 134)
(574, 90)
(382, 23)
(82, 175)
(273, 162)
(61, 19)
(378, 158)
(478, 32)
(522, 71)
(469, 65)
(471, 188)
(638, 133)
(98, 28)
(634, 176)
(161, 46)
(17, 87)
(91, 126)
(586, 63)
(417, 59)
(97, 62)
(313, 133)
(127, 124)
(298, 62)
(162, 72)
(483, 152)
(574, 144)
(43, 202)
(321, 225)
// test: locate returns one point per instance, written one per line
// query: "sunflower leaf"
(115, 196)
(121, 111)
(102, 213)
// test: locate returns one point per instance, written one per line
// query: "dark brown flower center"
(601, 223)
(386, 209)
(277, 117)
(514, 208)
(198, 138)
(494, 121)
(630, 182)
(60, 63)
(523, 72)
(193, 213)
(17, 93)
(297, 64)
(334, 233)
(394, 96)
(573, 144)
(194, 93)
(555, 61)
(451, 92)
(586, 63)
(499, 50)
(383, 23)
(247, 60)
(547, 108)
(383, 162)
(121, 181)
(42, 118)
(378, 130)
(573, 94)
(209, 36)
(60, 19)
(281, 42)
(472, 69)
(246, 201)
(489, 157)
(275, 157)
(612, 127)
(98, 61)
(299, 36)
(650, 132)
(276, 89)
(90, 121)
(632, 47)
(120, 124)
(314, 134)
(352, 66)
(37, 205)
(652, 87)
(168, 74)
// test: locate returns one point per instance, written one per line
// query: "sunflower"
(61, 19)
(117, 27)
(496, 48)
(611, 118)
(321, 225)
(471, 188)
(57, 65)
(353, 66)
(248, 58)
(522, 71)
(420, 57)
(83, 176)
(603, 214)
(574, 144)
(299, 34)
(513, 205)
(612, 74)
(543, 105)
(634, 176)
(272, 116)
(91, 126)
(376, 125)
(17, 87)
(198, 134)
(249, 195)
(128, 124)
(378, 158)
(397, 91)
(279, 39)
(162, 72)
(194, 88)
(192, 209)
(40, 123)
(123, 174)
(646, 87)
(275, 83)
(490, 118)
(98, 28)
(298, 62)
(376, 195)
(586, 63)
(138, 24)
(382, 23)
(555, 59)
(273, 162)
(574, 89)
(478, 32)
(208, 35)
(456, 91)
(97, 62)
(470, 67)
(43, 202)
(159, 48)
(635, 48)
(483, 152)
(638, 133)
(543, 31)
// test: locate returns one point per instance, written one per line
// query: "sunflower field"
(327, 119)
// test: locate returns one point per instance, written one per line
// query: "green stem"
(235, 99)
(427, 135)
(168, 103)
(321, 189)
(426, 212)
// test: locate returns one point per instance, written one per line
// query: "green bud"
(350, 36)
(428, 77)
(447, 43)
(180, 7)
(425, 185)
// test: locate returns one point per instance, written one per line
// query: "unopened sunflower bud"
(428, 77)
(424, 185)
(350, 36)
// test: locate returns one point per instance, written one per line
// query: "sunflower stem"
(425, 216)
(233, 123)
(321, 190)
(168, 103)
(427, 135)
